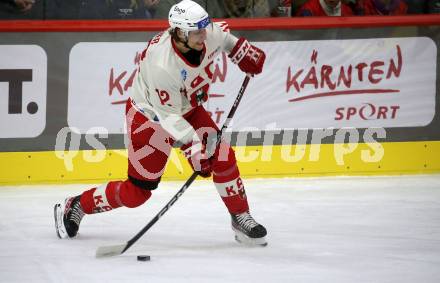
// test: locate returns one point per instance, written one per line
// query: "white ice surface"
(365, 229)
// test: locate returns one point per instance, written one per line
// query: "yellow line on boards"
(96, 166)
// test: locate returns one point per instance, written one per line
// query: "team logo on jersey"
(201, 96)
(184, 74)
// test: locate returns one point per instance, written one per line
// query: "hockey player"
(165, 110)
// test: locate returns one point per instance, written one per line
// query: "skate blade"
(252, 242)
(59, 223)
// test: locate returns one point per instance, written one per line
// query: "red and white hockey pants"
(148, 149)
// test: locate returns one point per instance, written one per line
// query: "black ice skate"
(247, 230)
(68, 217)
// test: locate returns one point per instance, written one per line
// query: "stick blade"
(109, 251)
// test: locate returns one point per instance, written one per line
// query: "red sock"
(113, 195)
(232, 192)
(227, 180)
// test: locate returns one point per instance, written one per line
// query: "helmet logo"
(179, 10)
(203, 23)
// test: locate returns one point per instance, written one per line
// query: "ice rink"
(349, 229)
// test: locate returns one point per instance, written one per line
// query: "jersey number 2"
(163, 96)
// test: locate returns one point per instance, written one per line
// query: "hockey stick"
(108, 251)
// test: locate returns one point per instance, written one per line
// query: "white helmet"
(188, 16)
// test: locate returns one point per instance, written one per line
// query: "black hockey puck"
(143, 257)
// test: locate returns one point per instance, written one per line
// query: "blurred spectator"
(281, 8)
(381, 7)
(134, 9)
(417, 6)
(434, 7)
(21, 9)
(246, 8)
(351, 3)
(321, 8)
(22, 5)
(164, 6)
(101, 9)
(296, 5)
(222, 8)
(150, 7)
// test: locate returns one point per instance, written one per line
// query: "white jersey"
(167, 86)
